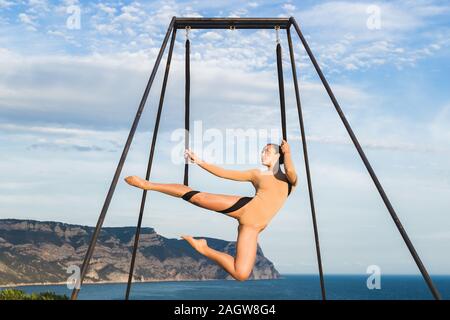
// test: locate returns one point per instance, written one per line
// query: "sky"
(72, 74)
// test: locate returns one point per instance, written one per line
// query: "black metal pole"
(377, 183)
(186, 108)
(149, 166)
(120, 165)
(281, 91)
(305, 156)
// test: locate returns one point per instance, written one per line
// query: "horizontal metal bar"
(226, 23)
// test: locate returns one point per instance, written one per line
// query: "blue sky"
(68, 98)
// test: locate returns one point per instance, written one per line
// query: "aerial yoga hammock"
(272, 187)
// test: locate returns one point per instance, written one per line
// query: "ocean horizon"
(289, 287)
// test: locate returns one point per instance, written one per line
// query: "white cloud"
(108, 29)
(107, 9)
(49, 130)
(345, 40)
(130, 13)
(164, 14)
(343, 44)
(352, 17)
(29, 21)
(38, 7)
(211, 36)
(90, 87)
(6, 3)
(236, 13)
(288, 7)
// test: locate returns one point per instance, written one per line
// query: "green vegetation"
(15, 294)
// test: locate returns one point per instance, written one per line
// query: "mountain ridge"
(39, 252)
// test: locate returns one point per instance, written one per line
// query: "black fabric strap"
(187, 92)
(188, 195)
(281, 90)
(239, 204)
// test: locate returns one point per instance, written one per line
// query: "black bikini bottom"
(238, 204)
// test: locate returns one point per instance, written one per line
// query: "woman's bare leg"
(172, 189)
(206, 200)
(240, 267)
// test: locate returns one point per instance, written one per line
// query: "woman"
(253, 213)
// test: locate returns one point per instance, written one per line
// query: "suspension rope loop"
(188, 28)
(277, 28)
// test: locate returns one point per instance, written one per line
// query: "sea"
(289, 287)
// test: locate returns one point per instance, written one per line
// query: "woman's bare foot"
(198, 244)
(138, 182)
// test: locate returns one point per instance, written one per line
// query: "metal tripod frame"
(240, 23)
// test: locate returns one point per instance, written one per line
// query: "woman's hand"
(192, 156)
(288, 163)
(285, 148)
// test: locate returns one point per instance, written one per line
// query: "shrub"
(15, 294)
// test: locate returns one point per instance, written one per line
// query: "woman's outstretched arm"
(288, 163)
(237, 175)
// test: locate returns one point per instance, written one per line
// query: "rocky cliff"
(41, 252)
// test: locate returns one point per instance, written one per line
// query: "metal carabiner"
(188, 28)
